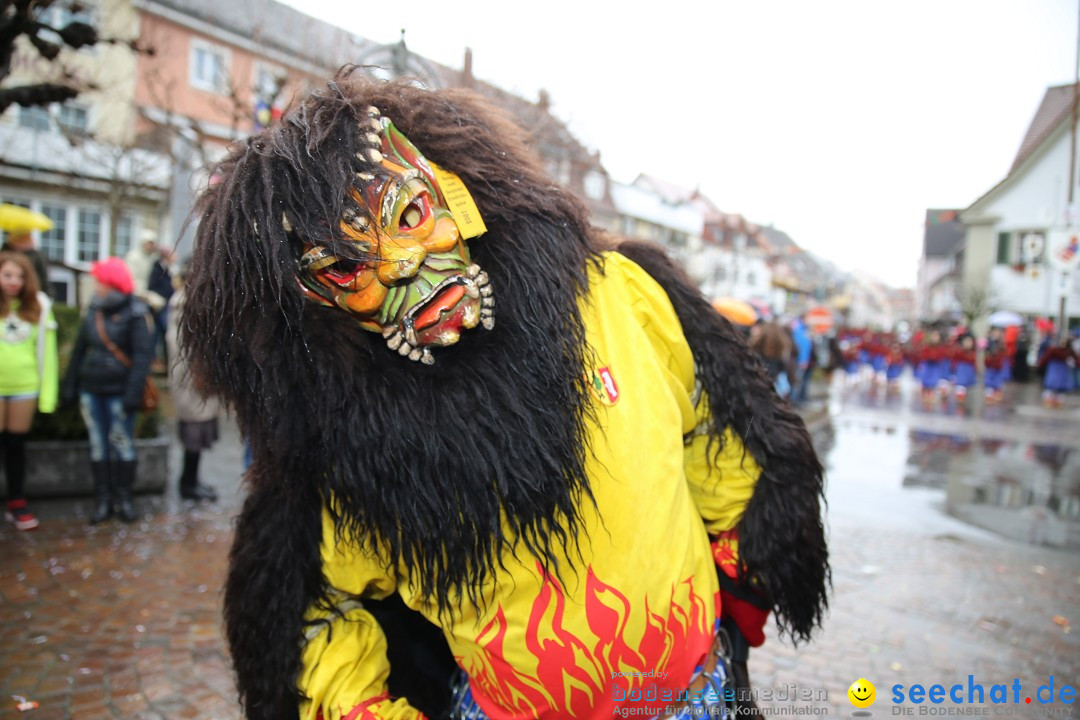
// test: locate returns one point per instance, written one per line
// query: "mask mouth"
(441, 301)
(456, 304)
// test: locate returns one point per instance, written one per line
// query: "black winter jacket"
(94, 368)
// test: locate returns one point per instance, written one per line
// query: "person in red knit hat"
(108, 369)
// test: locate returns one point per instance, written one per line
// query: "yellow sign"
(460, 203)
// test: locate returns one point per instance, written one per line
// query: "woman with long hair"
(28, 380)
(109, 365)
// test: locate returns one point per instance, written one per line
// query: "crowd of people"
(944, 361)
(122, 338)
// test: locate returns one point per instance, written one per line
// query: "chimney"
(466, 72)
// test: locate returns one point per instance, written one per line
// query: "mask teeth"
(487, 302)
(404, 349)
(373, 112)
(426, 357)
(395, 341)
(387, 332)
(373, 140)
(410, 335)
(474, 270)
(359, 223)
(488, 322)
(365, 176)
(471, 289)
(416, 354)
(370, 155)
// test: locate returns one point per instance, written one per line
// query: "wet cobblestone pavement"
(124, 621)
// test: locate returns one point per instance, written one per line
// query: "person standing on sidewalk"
(28, 378)
(23, 244)
(109, 365)
(196, 416)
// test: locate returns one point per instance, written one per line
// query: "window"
(61, 14)
(209, 67)
(88, 243)
(35, 118)
(73, 119)
(52, 241)
(124, 232)
(268, 83)
(595, 185)
(1004, 249)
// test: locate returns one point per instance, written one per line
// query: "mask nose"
(400, 259)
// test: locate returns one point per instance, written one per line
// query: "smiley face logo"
(862, 693)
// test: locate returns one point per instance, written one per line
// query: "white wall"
(1021, 293)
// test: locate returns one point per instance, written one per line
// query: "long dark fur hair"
(420, 461)
(782, 550)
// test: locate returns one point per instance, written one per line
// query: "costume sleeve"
(721, 479)
(344, 666)
(721, 475)
(50, 380)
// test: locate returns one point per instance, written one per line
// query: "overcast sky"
(837, 121)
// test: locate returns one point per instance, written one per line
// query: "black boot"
(190, 487)
(125, 481)
(102, 492)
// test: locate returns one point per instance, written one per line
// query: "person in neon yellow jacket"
(504, 466)
(28, 372)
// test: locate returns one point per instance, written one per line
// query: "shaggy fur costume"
(423, 459)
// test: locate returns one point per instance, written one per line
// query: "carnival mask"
(403, 269)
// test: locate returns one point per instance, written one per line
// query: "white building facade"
(1008, 227)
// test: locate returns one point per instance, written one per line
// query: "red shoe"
(18, 513)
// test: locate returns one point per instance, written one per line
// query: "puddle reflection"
(1028, 492)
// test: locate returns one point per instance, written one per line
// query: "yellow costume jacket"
(636, 611)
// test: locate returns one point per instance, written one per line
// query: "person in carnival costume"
(1057, 363)
(501, 469)
(934, 366)
(963, 366)
(895, 363)
(997, 358)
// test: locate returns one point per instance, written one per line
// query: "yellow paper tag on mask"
(460, 203)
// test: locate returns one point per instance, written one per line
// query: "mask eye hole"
(416, 213)
(342, 271)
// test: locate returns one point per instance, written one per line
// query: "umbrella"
(737, 311)
(1005, 318)
(16, 220)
